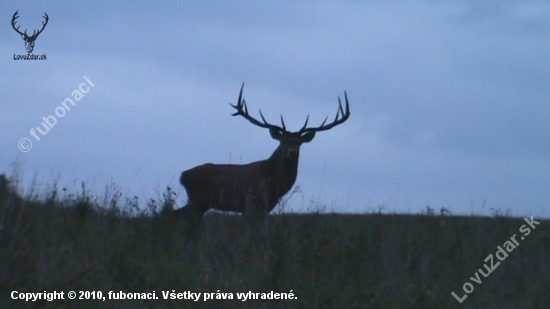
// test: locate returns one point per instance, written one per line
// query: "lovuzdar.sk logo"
(29, 39)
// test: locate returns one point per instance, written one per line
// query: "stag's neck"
(277, 155)
(283, 170)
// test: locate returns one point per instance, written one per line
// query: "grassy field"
(77, 243)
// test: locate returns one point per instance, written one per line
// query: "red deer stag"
(257, 187)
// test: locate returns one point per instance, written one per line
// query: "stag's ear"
(276, 133)
(308, 136)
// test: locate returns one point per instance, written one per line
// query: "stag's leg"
(190, 211)
(255, 213)
(191, 216)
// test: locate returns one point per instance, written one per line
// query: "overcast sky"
(449, 99)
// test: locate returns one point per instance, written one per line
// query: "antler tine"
(14, 17)
(262, 115)
(240, 102)
(305, 124)
(283, 123)
(13, 22)
(43, 24)
(242, 110)
(347, 103)
(326, 118)
(344, 115)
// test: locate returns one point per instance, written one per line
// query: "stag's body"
(254, 188)
(251, 189)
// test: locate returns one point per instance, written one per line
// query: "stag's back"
(224, 186)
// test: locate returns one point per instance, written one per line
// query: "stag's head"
(290, 142)
(29, 40)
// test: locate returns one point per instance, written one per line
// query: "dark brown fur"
(253, 188)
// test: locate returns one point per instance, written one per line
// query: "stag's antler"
(339, 112)
(34, 33)
(242, 110)
(47, 18)
(13, 23)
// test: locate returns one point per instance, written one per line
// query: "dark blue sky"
(449, 100)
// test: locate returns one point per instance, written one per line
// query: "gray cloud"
(449, 100)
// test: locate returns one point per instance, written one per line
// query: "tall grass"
(60, 241)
